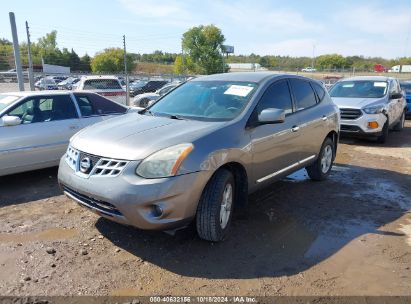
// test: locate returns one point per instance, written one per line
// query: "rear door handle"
(295, 128)
(74, 127)
(324, 118)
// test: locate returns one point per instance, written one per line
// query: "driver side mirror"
(9, 121)
(396, 95)
(271, 116)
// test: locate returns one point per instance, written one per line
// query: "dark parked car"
(406, 87)
(151, 86)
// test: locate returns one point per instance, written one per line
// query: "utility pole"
(313, 59)
(16, 49)
(31, 76)
(125, 71)
(182, 59)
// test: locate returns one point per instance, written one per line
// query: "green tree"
(332, 61)
(85, 63)
(268, 61)
(111, 60)
(178, 65)
(203, 45)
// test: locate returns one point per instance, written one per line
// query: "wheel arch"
(241, 181)
(334, 136)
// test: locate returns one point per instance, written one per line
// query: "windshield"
(206, 100)
(102, 84)
(359, 89)
(6, 100)
(406, 86)
(48, 81)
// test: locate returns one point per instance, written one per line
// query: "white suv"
(107, 86)
(369, 106)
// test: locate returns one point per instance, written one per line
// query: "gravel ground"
(349, 235)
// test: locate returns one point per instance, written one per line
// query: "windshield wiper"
(148, 111)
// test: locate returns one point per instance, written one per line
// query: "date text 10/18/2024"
(203, 299)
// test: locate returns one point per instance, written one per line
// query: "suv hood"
(134, 136)
(356, 103)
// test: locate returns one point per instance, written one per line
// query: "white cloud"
(240, 15)
(264, 28)
(372, 20)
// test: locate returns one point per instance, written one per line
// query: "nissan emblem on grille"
(85, 165)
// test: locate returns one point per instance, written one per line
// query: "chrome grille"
(350, 113)
(108, 167)
(100, 166)
(72, 157)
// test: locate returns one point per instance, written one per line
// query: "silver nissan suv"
(197, 153)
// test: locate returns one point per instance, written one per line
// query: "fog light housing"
(157, 210)
(373, 125)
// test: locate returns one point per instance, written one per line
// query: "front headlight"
(164, 163)
(374, 109)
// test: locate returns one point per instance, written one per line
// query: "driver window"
(22, 109)
(276, 96)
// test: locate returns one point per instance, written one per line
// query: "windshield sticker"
(238, 90)
(380, 84)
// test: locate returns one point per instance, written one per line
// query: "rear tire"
(383, 137)
(321, 168)
(400, 125)
(215, 207)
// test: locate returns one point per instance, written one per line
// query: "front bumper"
(129, 199)
(360, 126)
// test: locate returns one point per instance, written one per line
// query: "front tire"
(215, 207)
(321, 168)
(383, 137)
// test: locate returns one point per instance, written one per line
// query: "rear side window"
(276, 96)
(91, 104)
(319, 90)
(303, 93)
(102, 84)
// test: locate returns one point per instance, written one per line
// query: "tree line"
(202, 54)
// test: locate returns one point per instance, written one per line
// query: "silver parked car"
(200, 150)
(35, 127)
(147, 99)
(370, 106)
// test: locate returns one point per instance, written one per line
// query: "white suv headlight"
(374, 109)
(164, 163)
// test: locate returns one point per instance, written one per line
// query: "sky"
(264, 27)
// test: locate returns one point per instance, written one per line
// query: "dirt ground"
(349, 235)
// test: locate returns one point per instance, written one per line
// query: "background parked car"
(146, 99)
(309, 69)
(370, 106)
(150, 86)
(406, 87)
(68, 83)
(108, 86)
(136, 85)
(46, 83)
(35, 127)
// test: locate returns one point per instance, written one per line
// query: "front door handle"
(324, 118)
(295, 128)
